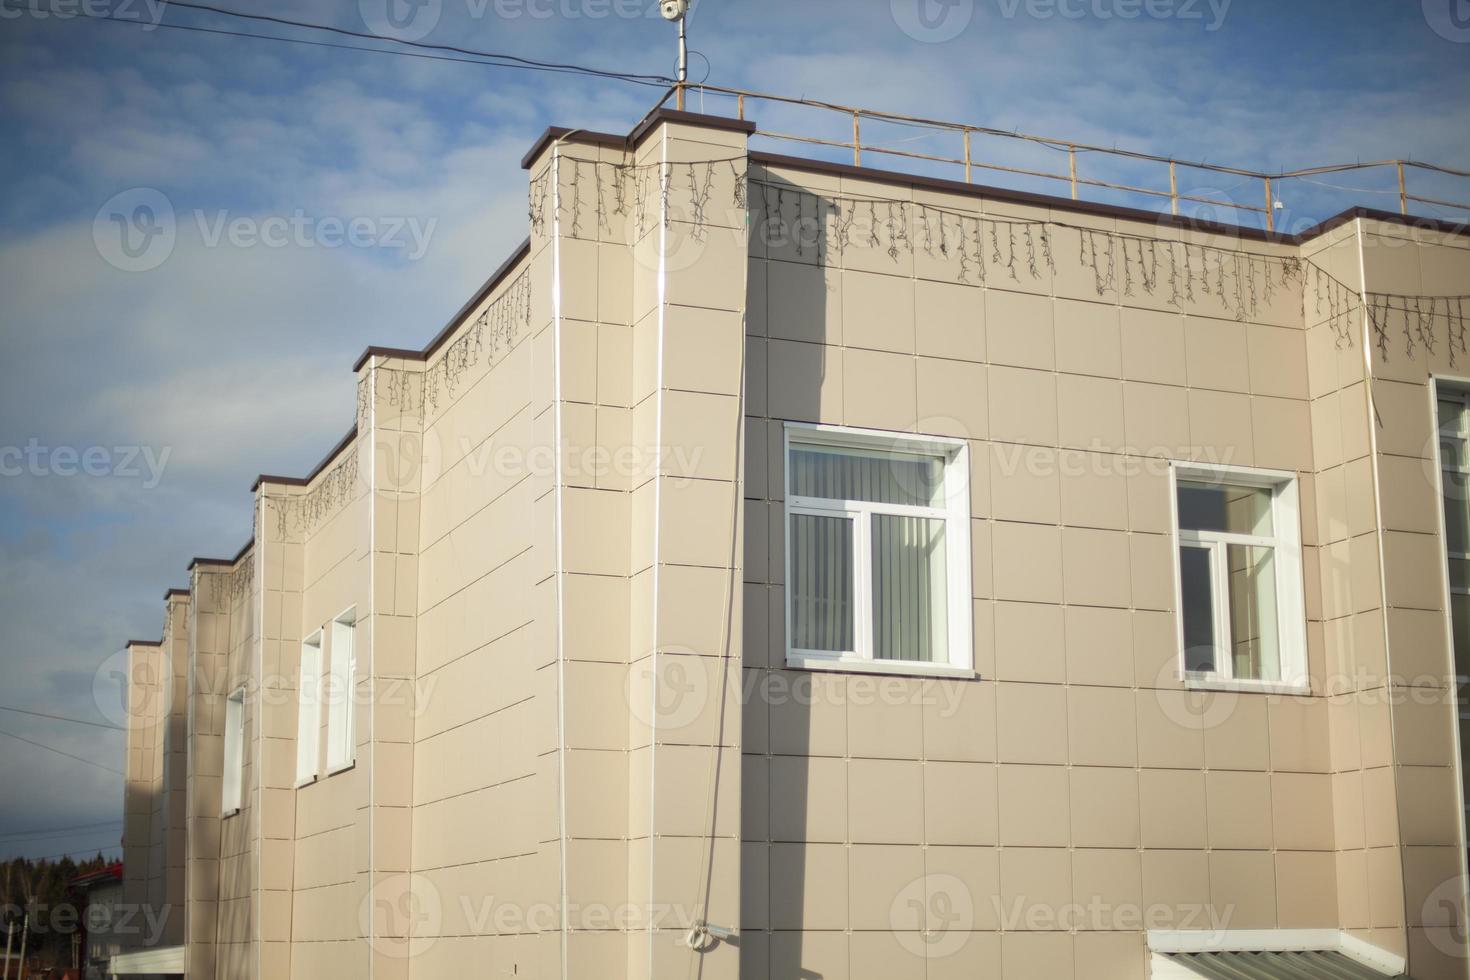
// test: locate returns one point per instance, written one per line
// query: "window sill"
(230, 813)
(345, 767)
(892, 668)
(303, 783)
(1199, 683)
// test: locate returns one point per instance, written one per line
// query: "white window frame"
(1291, 620)
(955, 513)
(1452, 389)
(342, 695)
(232, 775)
(309, 711)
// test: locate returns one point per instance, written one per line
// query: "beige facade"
(561, 721)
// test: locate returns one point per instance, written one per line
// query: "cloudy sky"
(141, 393)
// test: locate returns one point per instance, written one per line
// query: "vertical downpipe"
(371, 423)
(658, 440)
(1372, 413)
(556, 430)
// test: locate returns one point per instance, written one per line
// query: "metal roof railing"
(967, 156)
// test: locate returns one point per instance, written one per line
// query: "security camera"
(673, 9)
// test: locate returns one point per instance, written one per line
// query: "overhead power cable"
(74, 721)
(469, 56)
(52, 748)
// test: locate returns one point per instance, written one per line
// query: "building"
(99, 894)
(788, 569)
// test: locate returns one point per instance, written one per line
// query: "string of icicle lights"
(1180, 273)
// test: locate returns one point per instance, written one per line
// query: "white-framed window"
(1453, 410)
(309, 711)
(1238, 576)
(232, 783)
(342, 694)
(877, 551)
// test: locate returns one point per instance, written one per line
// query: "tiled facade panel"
(562, 535)
(1075, 773)
(1422, 711)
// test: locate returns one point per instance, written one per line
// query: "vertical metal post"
(857, 142)
(1403, 191)
(1072, 166)
(1173, 189)
(683, 62)
(1270, 207)
(967, 156)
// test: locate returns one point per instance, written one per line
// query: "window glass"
(1255, 636)
(882, 478)
(822, 616)
(910, 619)
(1199, 609)
(1225, 508)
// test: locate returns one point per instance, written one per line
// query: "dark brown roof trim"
(496, 278)
(554, 133)
(1103, 210)
(645, 125)
(1018, 197)
(690, 118)
(1391, 217)
(173, 592)
(144, 643)
(301, 481)
(226, 562)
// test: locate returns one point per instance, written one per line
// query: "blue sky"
(232, 357)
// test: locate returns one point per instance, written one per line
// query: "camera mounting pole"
(678, 11)
(683, 74)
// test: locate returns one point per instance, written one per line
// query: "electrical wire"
(349, 47)
(74, 721)
(30, 840)
(75, 829)
(89, 851)
(500, 59)
(51, 748)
